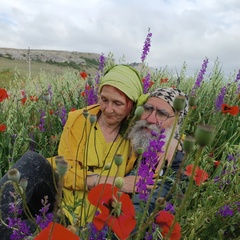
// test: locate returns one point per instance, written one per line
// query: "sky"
(182, 30)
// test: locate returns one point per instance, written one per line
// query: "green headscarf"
(124, 78)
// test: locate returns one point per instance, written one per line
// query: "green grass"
(10, 67)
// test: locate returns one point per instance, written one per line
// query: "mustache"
(141, 124)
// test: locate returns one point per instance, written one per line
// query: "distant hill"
(31, 61)
(46, 60)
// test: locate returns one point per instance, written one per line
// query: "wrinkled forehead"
(160, 104)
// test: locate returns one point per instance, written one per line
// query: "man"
(158, 114)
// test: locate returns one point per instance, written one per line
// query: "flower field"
(34, 112)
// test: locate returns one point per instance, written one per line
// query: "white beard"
(141, 138)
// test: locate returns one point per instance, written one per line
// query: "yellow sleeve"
(131, 160)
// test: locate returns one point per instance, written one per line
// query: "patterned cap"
(168, 95)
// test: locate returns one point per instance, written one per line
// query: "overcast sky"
(182, 30)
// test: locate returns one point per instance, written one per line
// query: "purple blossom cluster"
(220, 99)
(92, 93)
(42, 121)
(146, 46)
(45, 217)
(200, 76)
(229, 210)
(170, 208)
(229, 170)
(63, 115)
(237, 80)
(20, 228)
(147, 83)
(148, 165)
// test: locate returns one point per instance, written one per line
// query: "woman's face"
(113, 105)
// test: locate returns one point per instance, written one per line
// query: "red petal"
(59, 232)
(201, 176)
(189, 169)
(234, 111)
(104, 193)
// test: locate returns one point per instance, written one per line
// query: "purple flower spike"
(147, 45)
(200, 76)
(220, 99)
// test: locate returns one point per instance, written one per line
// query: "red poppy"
(151, 83)
(83, 94)
(33, 98)
(122, 219)
(51, 111)
(73, 109)
(216, 163)
(2, 127)
(163, 80)
(23, 100)
(200, 175)
(233, 110)
(165, 219)
(83, 74)
(3, 94)
(57, 231)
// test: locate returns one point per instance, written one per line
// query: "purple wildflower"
(225, 211)
(96, 234)
(91, 94)
(200, 76)
(231, 158)
(147, 83)
(170, 208)
(42, 121)
(63, 116)
(148, 166)
(238, 81)
(147, 45)
(101, 63)
(21, 230)
(50, 90)
(45, 217)
(220, 99)
(150, 233)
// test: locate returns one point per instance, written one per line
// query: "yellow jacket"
(83, 146)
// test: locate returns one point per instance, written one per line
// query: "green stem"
(188, 191)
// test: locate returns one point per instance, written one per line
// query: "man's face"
(141, 133)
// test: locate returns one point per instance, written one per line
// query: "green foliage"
(37, 125)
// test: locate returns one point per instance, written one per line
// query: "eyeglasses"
(160, 114)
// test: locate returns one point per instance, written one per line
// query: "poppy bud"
(118, 159)
(62, 165)
(13, 175)
(46, 97)
(119, 182)
(85, 113)
(23, 183)
(192, 101)
(179, 103)
(188, 144)
(92, 118)
(204, 135)
(90, 81)
(140, 151)
(138, 111)
(107, 166)
(161, 203)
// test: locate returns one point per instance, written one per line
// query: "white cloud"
(183, 30)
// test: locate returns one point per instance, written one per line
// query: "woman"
(87, 148)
